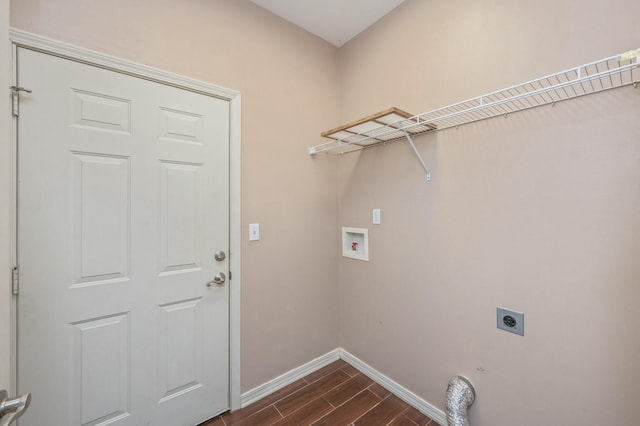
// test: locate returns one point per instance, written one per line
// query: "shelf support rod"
(415, 150)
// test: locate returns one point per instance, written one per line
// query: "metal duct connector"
(460, 396)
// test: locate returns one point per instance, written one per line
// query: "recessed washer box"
(510, 320)
(355, 243)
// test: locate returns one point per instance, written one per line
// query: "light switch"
(254, 231)
(376, 216)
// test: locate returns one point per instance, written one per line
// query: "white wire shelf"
(605, 74)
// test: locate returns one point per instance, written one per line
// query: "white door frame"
(39, 43)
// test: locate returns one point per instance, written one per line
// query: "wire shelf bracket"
(415, 150)
(605, 74)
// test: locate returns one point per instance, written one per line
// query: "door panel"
(180, 352)
(123, 200)
(101, 212)
(100, 373)
(180, 217)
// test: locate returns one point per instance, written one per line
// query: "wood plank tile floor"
(336, 395)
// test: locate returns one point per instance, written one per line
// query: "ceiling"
(336, 21)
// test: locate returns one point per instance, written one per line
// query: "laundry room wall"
(538, 212)
(289, 85)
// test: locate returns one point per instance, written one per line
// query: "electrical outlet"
(511, 321)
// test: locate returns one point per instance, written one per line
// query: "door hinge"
(15, 105)
(15, 92)
(229, 275)
(15, 280)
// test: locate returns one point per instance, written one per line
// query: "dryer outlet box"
(511, 321)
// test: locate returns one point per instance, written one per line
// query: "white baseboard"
(394, 387)
(287, 378)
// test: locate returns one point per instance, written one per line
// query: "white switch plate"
(376, 216)
(254, 231)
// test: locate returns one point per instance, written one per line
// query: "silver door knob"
(219, 279)
(12, 408)
(220, 256)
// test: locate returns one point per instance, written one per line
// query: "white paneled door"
(123, 202)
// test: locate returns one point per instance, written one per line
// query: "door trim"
(46, 45)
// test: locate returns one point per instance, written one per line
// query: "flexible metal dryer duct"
(460, 396)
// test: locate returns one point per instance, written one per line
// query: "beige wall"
(5, 194)
(539, 212)
(289, 85)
